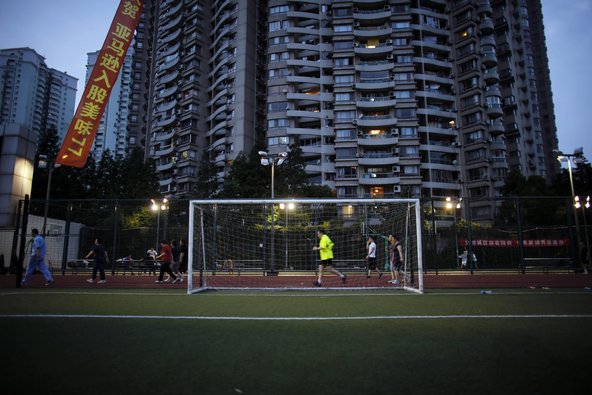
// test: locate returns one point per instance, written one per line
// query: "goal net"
(268, 244)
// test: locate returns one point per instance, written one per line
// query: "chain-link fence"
(526, 233)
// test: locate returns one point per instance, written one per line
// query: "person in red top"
(166, 257)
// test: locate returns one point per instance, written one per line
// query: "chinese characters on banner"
(514, 243)
(81, 133)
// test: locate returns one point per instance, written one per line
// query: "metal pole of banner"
(21, 258)
(115, 251)
(66, 237)
(520, 236)
(13, 256)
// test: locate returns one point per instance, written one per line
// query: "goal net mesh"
(268, 244)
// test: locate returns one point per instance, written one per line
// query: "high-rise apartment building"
(33, 98)
(420, 98)
(112, 133)
(33, 94)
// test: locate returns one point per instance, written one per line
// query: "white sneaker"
(178, 280)
(158, 282)
(90, 280)
(102, 281)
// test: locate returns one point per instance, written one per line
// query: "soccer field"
(370, 342)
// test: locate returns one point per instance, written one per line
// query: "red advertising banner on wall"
(82, 131)
(513, 243)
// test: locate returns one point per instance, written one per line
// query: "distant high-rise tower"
(112, 133)
(33, 98)
(34, 95)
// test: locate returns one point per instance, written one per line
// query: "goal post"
(268, 244)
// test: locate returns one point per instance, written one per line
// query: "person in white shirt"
(371, 257)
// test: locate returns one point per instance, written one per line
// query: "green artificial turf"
(156, 355)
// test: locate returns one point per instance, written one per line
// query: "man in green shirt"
(325, 249)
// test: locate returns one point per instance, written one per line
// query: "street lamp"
(158, 207)
(578, 154)
(268, 159)
(451, 206)
(287, 207)
(45, 163)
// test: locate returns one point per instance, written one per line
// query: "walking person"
(183, 256)
(371, 257)
(325, 249)
(166, 258)
(176, 264)
(37, 259)
(396, 259)
(99, 253)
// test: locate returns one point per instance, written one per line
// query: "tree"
(207, 178)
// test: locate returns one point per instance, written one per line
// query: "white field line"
(362, 318)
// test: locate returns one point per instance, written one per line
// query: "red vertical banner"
(82, 131)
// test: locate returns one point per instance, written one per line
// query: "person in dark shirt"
(99, 253)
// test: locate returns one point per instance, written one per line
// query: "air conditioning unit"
(395, 151)
(396, 169)
(397, 189)
(390, 57)
(389, 41)
(355, 122)
(353, 86)
(356, 24)
(356, 44)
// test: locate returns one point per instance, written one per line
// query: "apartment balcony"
(493, 91)
(377, 140)
(219, 84)
(309, 82)
(173, 24)
(379, 179)
(163, 94)
(166, 121)
(375, 102)
(325, 149)
(375, 65)
(165, 79)
(166, 182)
(496, 128)
(219, 128)
(306, 98)
(219, 98)
(372, 15)
(381, 49)
(170, 50)
(164, 107)
(306, 17)
(219, 114)
(219, 144)
(435, 94)
(484, 7)
(170, 38)
(437, 111)
(164, 167)
(221, 67)
(378, 160)
(433, 61)
(163, 150)
(373, 31)
(167, 65)
(310, 132)
(376, 84)
(491, 76)
(494, 110)
(306, 115)
(489, 59)
(376, 121)
(308, 49)
(164, 136)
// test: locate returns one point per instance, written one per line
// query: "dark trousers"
(166, 267)
(100, 266)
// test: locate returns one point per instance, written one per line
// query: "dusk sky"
(64, 31)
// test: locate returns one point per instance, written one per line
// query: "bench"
(82, 265)
(546, 264)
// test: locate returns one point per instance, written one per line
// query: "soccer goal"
(268, 244)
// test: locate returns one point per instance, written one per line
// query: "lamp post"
(578, 154)
(46, 163)
(286, 207)
(584, 207)
(451, 206)
(268, 159)
(158, 207)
